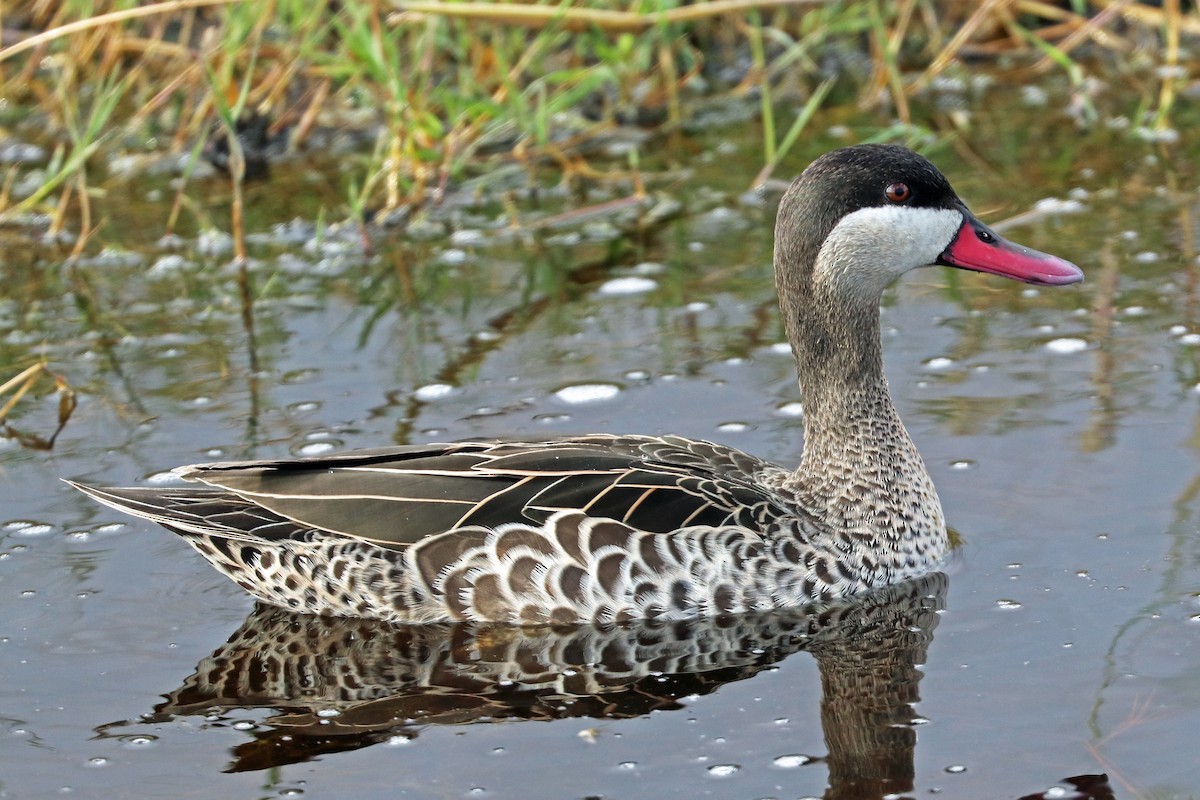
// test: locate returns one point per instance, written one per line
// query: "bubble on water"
(939, 362)
(587, 393)
(433, 391)
(1146, 257)
(792, 761)
(1190, 339)
(162, 477)
(733, 427)
(1066, 345)
(962, 464)
(627, 765)
(244, 725)
(398, 740)
(723, 770)
(697, 306)
(1156, 135)
(792, 409)
(781, 348)
(632, 284)
(467, 237)
(314, 448)
(1007, 605)
(1056, 205)
(329, 712)
(1034, 96)
(23, 527)
(650, 268)
(98, 761)
(453, 257)
(637, 375)
(956, 769)
(139, 740)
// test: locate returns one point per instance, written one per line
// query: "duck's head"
(860, 217)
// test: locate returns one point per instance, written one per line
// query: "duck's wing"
(398, 496)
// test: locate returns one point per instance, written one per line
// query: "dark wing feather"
(191, 511)
(400, 495)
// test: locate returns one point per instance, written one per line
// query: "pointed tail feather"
(195, 512)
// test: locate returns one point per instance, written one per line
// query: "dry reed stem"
(107, 19)
(947, 54)
(1149, 16)
(23, 382)
(1166, 96)
(1084, 29)
(577, 19)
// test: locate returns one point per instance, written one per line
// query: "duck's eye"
(898, 193)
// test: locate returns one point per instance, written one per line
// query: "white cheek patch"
(871, 247)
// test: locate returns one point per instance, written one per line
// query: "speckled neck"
(860, 470)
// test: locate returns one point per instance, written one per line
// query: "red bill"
(978, 248)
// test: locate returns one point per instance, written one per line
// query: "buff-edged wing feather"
(398, 496)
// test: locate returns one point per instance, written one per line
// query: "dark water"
(1060, 427)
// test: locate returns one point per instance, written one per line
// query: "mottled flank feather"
(711, 537)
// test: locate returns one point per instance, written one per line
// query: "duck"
(605, 528)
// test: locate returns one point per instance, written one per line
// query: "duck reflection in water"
(338, 684)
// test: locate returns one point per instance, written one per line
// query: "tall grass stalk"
(815, 101)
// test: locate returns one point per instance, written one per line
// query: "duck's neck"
(860, 470)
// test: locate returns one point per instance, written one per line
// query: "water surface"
(1059, 425)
